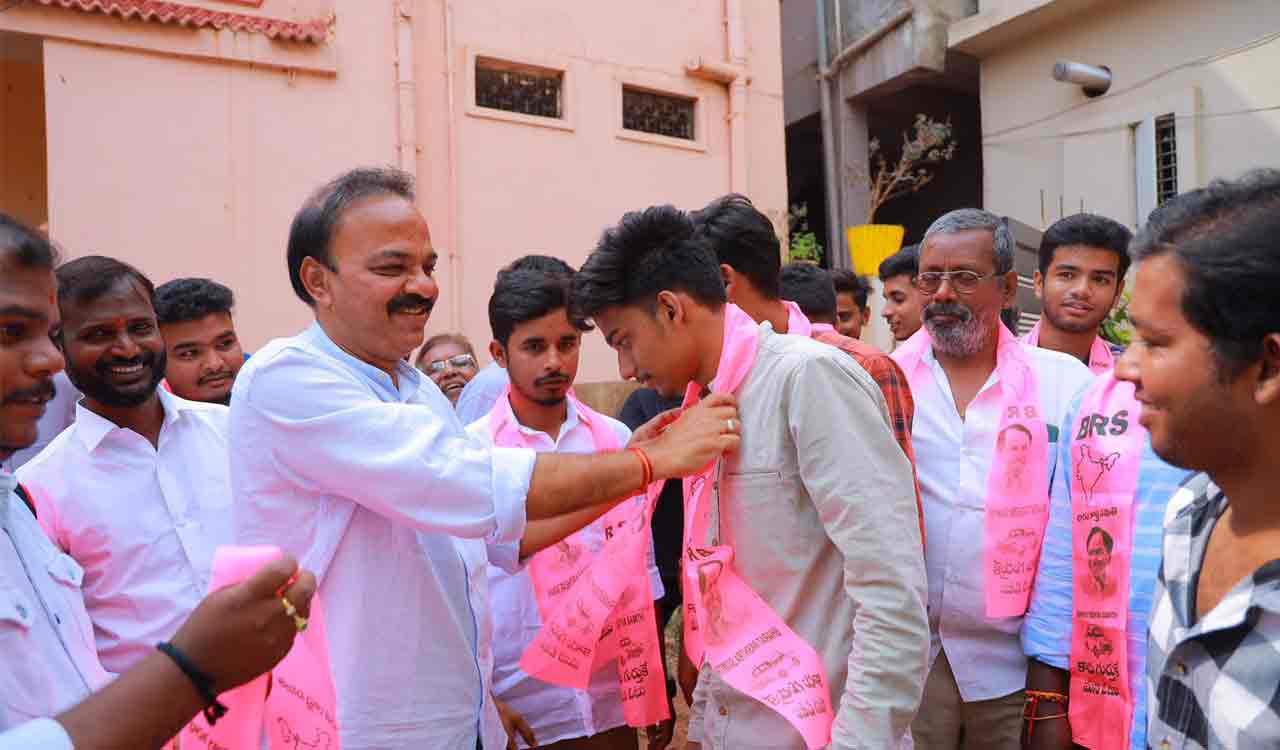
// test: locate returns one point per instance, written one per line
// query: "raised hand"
(241, 631)
(699, 436)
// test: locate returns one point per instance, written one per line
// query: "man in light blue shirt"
(351, 459)
(1046, 631)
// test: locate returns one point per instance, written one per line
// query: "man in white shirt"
(348, 457)
(822, 527)
(481, 393)
(137, 489)
(48, 664)
(538, 346)
(1083, 261)
(978, 669)
(203, 349)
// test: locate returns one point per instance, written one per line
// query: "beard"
(93, 382)
(964, 338)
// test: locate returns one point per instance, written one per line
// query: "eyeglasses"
(964, 282)
(457, 362)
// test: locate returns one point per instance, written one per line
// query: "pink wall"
(193, 162)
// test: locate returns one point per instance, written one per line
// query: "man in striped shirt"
(1206, 367)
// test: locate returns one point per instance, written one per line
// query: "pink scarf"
(1106, 455)
(1100, 357)
(726, 622)
(1017, 502)
(798, 324)
(595, 607)
(295, 705)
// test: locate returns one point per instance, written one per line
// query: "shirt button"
(724, 711)
(1182, 669)
(22, 611)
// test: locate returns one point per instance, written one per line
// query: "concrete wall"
(800, 58)
(1049, 150)
(23, 186)
(188, 152)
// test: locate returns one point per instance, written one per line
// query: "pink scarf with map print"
(1017, 501)
(726, 623)
(1105, 455)
(596, 606)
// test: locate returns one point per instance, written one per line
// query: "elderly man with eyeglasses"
(450, 361)
(971, 380)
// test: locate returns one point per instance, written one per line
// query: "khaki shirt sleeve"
(861, 484)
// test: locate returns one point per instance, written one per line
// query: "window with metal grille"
(660, 114)
(525, 89)
(1166, 159)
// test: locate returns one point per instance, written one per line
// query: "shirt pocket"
(759, 512)
(25, 689)
(68, 578)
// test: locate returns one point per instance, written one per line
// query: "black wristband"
(203, 683)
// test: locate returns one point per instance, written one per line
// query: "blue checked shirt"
(1212, 684)
(1046, 631)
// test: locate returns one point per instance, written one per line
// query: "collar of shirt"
(571, 420)
(91, 428)
(408, 378)
(1261, 589)
(940, 375)
(8, 483)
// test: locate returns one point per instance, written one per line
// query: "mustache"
(146, 359)
(45, 391)
(954, 309)
(214, 376)
(554, 378)
(402, 302)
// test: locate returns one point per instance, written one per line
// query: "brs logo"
(1098, 424)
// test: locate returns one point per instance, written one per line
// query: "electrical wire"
(1111, 94)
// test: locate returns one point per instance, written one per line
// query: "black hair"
(1224, 237)
(311, 233)
(1107, 541)
(544, 263)
(647, 252)
(93, 276)
(522, 293)
(743, 239)
(811, 288)
(848, 282)
(181, 300)
(29, 248)
(905, 262)
(1090, 230)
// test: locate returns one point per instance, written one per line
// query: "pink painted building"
(182, 136)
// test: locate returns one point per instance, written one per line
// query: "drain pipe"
(829, 159)
(732, 73)
(455, 252)
(406, 91)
